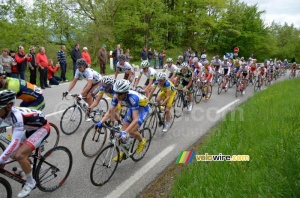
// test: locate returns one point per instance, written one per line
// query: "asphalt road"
(132, 177)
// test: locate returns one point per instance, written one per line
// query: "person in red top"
(22, 59)
(86, 56)
(41, 61)
(53, 80)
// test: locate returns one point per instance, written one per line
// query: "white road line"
(129, 182)
(51, 114)
(225, 107)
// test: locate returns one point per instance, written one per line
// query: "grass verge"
(266, 128)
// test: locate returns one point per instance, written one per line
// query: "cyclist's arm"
(149, 84)
(135, 119)
(72, 84)
(87, 88)
(130, 74)
(117, 71)
(151, 92)
(137, 81)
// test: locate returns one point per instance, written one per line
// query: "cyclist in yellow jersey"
(31, 95)
(166, 95)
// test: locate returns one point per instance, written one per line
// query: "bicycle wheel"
(237, 91)
(208, 93)
(104, 166)
(70, 120)
(151, 122)
(179, 106)
(52, 140)
(298, 75)
(220, 87)
(6, 190)
(103, 105)
(198, 95)
(256, 86)
(93, 141)
(51, 173)
(146, 133)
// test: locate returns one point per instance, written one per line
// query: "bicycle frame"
(156, 111)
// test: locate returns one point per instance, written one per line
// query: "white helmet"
(169, 60)
(144, 64)
(108, 80)
(161, 76)
(203, 56)
(122, 86)
(184, 65)
(195, 59)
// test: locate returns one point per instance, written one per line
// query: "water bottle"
(129, 142)
(85, 106)
(18, 171)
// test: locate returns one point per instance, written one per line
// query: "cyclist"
(150, 73)
(179, 60)
(271, 70)
(106, 87)
(193, 55)
(262, 73)
(203, 58)
(216, 64)
(31, 95)
(226, 71)
(138, 110)
(93, 81)
(30, 128)
(126, 67)
(167, 95)
(237, 63)
(208, 76)
(293, 68)
(185, 77)
(243, 73)
(171, 68)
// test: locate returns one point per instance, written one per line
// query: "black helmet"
(6, 97)
(81, 63)
(122, 57)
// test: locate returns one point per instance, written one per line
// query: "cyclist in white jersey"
(150, 73)
(93, 78)
(171, 68)
(126, 67)
(30, 128)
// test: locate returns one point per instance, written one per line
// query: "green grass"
(266, 127)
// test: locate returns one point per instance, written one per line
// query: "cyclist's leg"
(38, 104)
(91, 93)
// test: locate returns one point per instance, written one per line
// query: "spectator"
(75, 55)
(14, 68)
(32, 66)
(144, 54)
(161, 58)
(53, 80)
(41, 61)
(22, 60)
(102, 56)
(121, 51)
(187, 54)
(6, 61)
(155, 57)
(115, 56)
(150, 56)
(85, 54)
(127, 54)
(61, 57)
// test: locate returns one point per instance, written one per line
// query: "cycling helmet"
(205, 63)
(217, 57)
(122, 86)
(225, 59)
(81, 63)
(203, 56)
(2, 71)
(180, 58)
(285, 59)
(244, 63)
(122, 57)
(169, 60)
(184, 65)
(6, 97)
(195, 59)
(242, 58)
(144, 64)
(161, 76)
(108, 80)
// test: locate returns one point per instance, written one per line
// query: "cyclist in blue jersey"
(138, 110)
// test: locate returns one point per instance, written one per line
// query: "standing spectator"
(187, 54)
(150, 56)
(14, 68)
(53, 80)
(115, 55)
(85, 54)
(41, 61)
(32, 66)
(6, 61)
(155, 57)
(22, 60)
(127, 54)
(75, 55)
(144, 54)
(102, 56)
(61, 57)
(161, 58)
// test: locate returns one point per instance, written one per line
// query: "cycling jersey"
(29, 126)
(134, 101)
(110, 93)
(185, 77)
(171, 69)
(125, 67)
(244, 70)
(150, 74)
(167, 86)
(89, 74)
(208, 73)
(31, 95)
(216, 62)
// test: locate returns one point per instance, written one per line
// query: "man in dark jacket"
(32, 66)
(144, 54)
(61, 57)
(115, 55)
(75, 55)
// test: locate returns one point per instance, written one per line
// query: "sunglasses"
(106, 87)
(160, 80)
(118, 93)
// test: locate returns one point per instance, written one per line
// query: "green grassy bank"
(267, 128)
